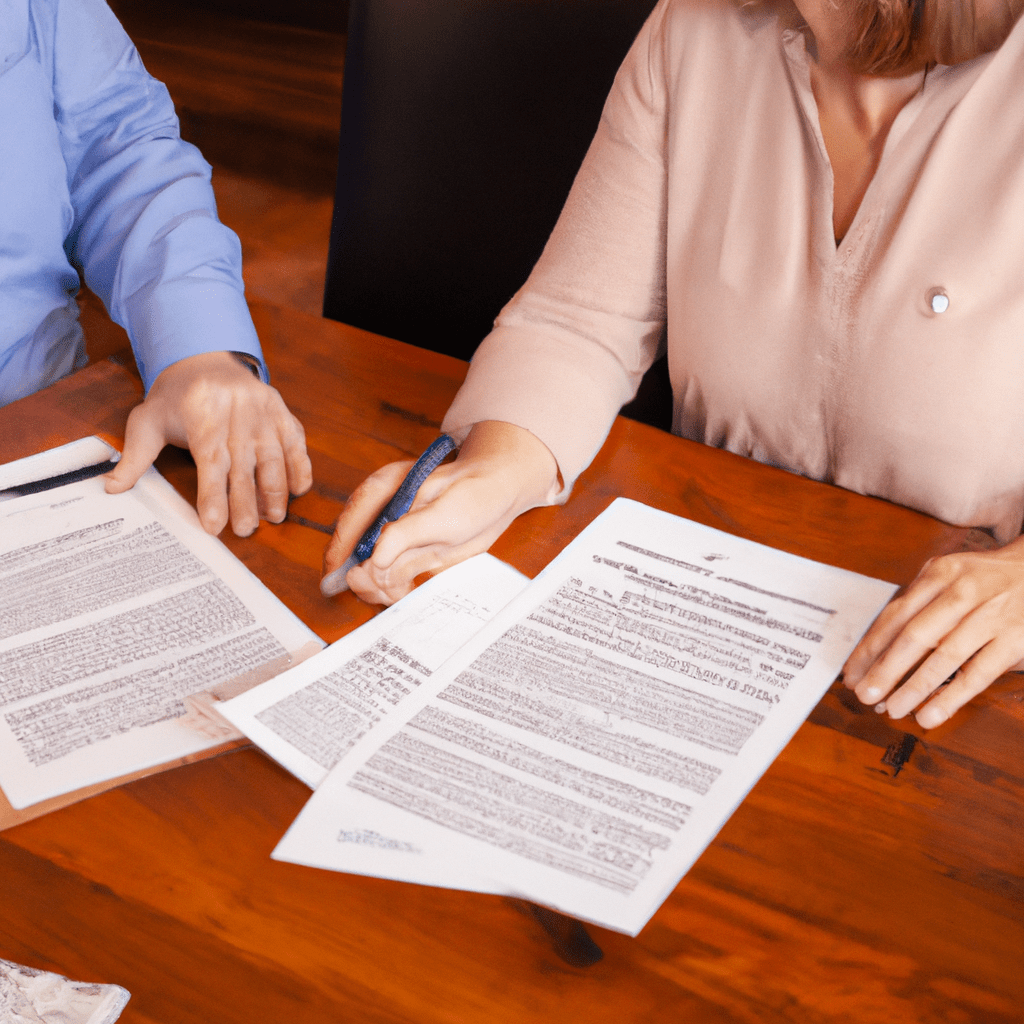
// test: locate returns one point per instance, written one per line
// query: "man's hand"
(964, 614)
(250, 451)
(461, 509)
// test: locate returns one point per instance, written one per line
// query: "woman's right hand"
(501, 471)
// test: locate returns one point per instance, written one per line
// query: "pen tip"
(334, 582)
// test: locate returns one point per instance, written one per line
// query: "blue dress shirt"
(95, 179)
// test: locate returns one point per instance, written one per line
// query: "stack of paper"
(576, 741)
(113, 610)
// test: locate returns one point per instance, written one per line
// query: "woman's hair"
(885, 35)
(893, 37)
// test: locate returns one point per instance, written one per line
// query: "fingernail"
(880, 707)
(871, 694)
(929, 717)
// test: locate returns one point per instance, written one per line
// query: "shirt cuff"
(188, 317)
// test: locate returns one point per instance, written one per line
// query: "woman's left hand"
(964, 614)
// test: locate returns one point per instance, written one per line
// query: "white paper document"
(113, 610)
(584, 747)
(308, 718)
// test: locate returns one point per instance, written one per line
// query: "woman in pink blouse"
(820, 205)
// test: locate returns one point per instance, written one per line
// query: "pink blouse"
(892, 364)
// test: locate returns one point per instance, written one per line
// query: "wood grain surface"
(874, 874)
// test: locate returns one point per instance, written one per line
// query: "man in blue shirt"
(95, 179)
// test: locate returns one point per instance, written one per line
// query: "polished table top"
(875, 873)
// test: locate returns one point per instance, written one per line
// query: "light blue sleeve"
(145, 234)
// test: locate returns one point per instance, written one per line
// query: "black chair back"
(463, 125)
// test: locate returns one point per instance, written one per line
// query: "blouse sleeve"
(145, 234)
(571, 346)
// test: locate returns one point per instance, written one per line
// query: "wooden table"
(875, 873)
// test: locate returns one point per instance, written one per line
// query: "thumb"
(144, 439)
(365, 503)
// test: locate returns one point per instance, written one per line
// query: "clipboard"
(87, 458)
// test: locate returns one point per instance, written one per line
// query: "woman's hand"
(964, 614)
(461, 509)
(250, 451)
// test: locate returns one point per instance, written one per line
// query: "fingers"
(377, 584)
(918, 635)
(974, 652)
(400, 576)
(271, 476)
(463, 520)
(214, 467)
(450, 510)
(379, 581)
(282, 467)
(268, 467)
(298, 468)
(366, 502)
(963, 646)
(976, 675)
(888, 626)
(374, 589)
(392, 584)
(961, 622)
(266, 453)
(144, 439)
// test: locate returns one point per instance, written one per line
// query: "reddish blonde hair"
(893, 37)
(885, 35)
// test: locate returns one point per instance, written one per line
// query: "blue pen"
(334, 582)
